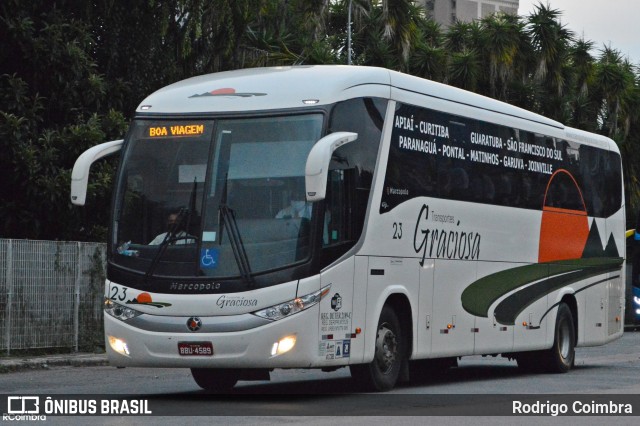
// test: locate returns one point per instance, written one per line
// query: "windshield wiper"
(170, 238)
(184, 215)
(227, 220)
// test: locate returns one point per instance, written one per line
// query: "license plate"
(195, 348)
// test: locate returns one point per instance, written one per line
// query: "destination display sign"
(175, 130)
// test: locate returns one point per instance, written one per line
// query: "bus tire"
(216, 379)
(561, 356)
(382, 373)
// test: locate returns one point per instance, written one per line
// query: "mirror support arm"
(80, 173)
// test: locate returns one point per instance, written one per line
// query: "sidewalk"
(79, 359)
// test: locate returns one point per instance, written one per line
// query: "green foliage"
(51, 103)
(71, 75)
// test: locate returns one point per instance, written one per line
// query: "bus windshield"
(214, 198)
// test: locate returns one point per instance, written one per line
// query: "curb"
(10, 365)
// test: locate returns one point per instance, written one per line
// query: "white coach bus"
(330, 216)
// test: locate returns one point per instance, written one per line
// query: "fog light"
(119, 345)
(284, 345)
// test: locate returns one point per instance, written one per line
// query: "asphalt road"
(331, 398)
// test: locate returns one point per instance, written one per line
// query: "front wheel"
(382, 373)
(216, 379)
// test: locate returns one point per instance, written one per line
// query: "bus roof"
(264, 89)
(258, 89)
(287, 87)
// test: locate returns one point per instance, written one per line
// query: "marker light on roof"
(310, 101)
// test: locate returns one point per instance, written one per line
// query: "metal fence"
(51, 294)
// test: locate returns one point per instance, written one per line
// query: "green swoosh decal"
(481, 294)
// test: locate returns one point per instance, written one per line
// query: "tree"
(584, 105)
(48, 102)
(500, 42)
(68, 71)
(550, 40)
(615, 79)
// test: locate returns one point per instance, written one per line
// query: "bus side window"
(336, 217)
(351, 174)
(339, 229)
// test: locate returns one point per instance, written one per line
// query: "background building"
(447, 12)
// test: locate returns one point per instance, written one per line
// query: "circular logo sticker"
(336, 302)
(194, 324)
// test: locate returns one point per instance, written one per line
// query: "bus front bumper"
(259, 347)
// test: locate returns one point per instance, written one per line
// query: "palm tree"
(428, 61)
(584, 106)
(372, 48)
(551, 41)
(399, 17)
(458, 37)
(549, 37)
(500, 42)
(310, 21)
(464, 69)
(615, 79)
(428, 56)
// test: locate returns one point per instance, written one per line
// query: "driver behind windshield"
(175, 234)
(298, 206)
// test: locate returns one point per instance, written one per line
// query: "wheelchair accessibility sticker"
(209, 258)
(335, 349)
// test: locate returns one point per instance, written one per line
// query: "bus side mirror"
(317, 168)
(80, 173)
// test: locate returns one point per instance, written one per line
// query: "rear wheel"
(382, 373)
(216, 379)
(561, 356)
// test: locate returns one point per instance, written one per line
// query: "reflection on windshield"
(172, 191)
(259, 176)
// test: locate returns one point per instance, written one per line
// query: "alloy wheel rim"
(386, 349)
(564, 340)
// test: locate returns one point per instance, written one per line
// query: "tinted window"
(434, 154)
(351, 171)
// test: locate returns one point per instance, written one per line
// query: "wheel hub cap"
(386, 349)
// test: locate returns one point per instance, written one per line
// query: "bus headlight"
(299, 304)
(118, 311)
